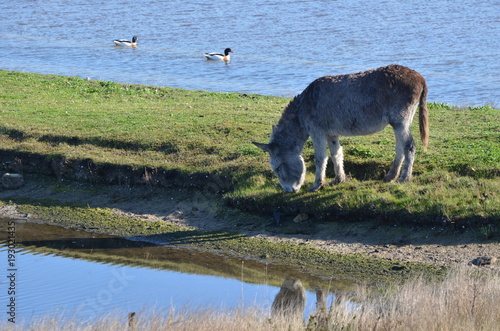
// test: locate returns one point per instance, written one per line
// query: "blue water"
(279, 46)
(50, 285)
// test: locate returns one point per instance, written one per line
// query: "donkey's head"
(288, 166)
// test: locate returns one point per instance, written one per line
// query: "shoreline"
(184, 210)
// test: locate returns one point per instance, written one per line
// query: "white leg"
(405, 151)
(409, 158)
(321, 159)
(337, 155)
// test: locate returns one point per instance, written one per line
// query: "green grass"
(456, 180)
(126, 124)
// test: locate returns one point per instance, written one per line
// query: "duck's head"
(134, 39)
(227, 51)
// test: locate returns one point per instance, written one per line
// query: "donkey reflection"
(348, 105)
(290, 301)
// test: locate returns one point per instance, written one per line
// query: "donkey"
(348, 105)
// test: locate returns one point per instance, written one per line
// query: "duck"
(219, 56)
(125, 42)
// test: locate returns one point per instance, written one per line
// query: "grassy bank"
(313, 265)
(465, 300)
(203, 140)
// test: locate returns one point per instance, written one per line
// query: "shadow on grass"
(18, 135)
(86, 170)
(366, 224)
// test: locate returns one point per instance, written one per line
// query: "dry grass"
(186, 320)
(465, 300)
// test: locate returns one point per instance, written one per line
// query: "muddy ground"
(430, 245)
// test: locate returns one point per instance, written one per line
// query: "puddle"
(84, 275)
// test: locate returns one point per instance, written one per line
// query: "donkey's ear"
(264, 147)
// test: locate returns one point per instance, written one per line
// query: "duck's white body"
(125, 42)
(219, 56)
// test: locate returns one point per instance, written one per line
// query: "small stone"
(301, 217)
(483, 260)
(12, 181)
(398, 267)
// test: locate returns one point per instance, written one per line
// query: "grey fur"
(348, 105)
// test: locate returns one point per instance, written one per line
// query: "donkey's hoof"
(388, 178)
(337, 181)
(403, 180)
(314, 188)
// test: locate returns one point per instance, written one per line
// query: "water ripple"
(280, 46)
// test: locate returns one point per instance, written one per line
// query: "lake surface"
(279, 46)
(116, 276)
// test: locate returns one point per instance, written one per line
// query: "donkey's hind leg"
(337, 159)
(405, 151)
(401, 137)
(409, 150)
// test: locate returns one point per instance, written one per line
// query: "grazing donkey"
(348, 105)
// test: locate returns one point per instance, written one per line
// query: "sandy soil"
(441, 246)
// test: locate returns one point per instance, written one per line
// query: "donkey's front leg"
(337, 159)
(321, 159)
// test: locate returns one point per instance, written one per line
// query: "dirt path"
(441, 246)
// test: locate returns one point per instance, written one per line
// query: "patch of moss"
(100, 220)
(313, 261)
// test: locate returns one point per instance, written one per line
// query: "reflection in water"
(290, 300)
(321, 300)
(319, 319)
(290, 303)
(86, 275)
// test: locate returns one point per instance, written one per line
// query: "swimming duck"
(218, 56)
(125, 42)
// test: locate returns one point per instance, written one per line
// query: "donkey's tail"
(423, 117)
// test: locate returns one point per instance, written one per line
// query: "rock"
(483, 260)
(398, 267)
(12, 181)
(300, 218)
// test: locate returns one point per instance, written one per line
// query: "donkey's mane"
(288, 132)
(289, 114)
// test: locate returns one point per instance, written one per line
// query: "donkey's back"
(363, 103)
